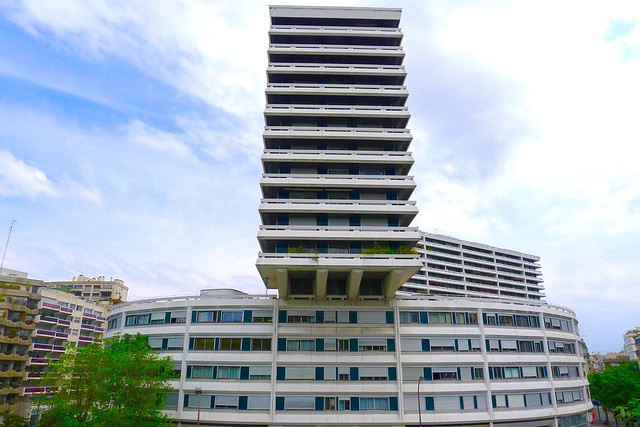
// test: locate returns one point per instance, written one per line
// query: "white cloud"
(146, 136)
(18, 179)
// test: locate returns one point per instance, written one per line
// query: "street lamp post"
(419, 404)
(198, 393)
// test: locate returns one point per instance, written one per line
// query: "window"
(505, 320)
(157, 318)
(439, 317)
(372, 317)
(299, 403)
(374, 404)
(473, 318)
(175, 343)
(301, 345)
(300, 373)
(202, 372)
(114, 323)
(330, 373)
(496, 372)
(130, 321)
(343, 373)
(204, 343)
(261, 344)
(260, 372)
(333, 344)
(228, 372)
(155, 343)
(460, 319)
(491, 319)
(344, 404)
(230, 344)
(225, 401)
(199, 400)
(205, 316)
(178, 316)
(509, 345)
(444, 373)
(329, 403)
(493, 345)
(478, 373)
(372, 344)
(409, 317)
(500, 401)
(411, 344)
(374, 373)
(171, 400)
(443, 344)
(262, 316)
(511, 372)
(143, 319)
(530, 372)
(231, 317)
(475, 344)
(301, 316)
(258, 403)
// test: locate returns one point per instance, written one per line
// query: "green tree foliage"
(618, 389)
(14, 420)
(122, 384)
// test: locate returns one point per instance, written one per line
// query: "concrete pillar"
(353, 283)
(321, 282)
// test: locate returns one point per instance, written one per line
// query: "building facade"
(63, 318)
(100, 289)
(18, 313)
(454, 267)
(265, 361)
(631, 347)
(335, 211)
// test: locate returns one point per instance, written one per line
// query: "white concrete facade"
(454, 267)
(335, 210)
(282, 362)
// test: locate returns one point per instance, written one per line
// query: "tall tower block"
(335, 210)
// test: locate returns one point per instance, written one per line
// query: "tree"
(618, 389)
(14, 420)
(122, 384)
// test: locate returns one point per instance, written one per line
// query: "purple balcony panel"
(48, 319)
(44, 332)
(89, 315)
(62, 335)
(38, 360)
(66, 310)
(64, 322)
(42, 346)
(49, 305)
(83, 338)
(58, 348)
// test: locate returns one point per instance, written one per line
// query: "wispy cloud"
(19, 179)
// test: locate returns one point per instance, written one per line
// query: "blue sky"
(130, 141)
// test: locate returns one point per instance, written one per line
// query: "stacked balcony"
(335, 210)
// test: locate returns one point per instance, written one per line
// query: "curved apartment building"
(263, 361)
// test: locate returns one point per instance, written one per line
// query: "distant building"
(108, 292)
(630, 343)
(18, 310)
(459, 268)
(598, 362)
(63, 318)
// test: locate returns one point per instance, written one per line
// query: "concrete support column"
(391, 281)
(353, 283)
(282, 282)
(321, 282)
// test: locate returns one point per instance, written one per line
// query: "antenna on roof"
(6, 245)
